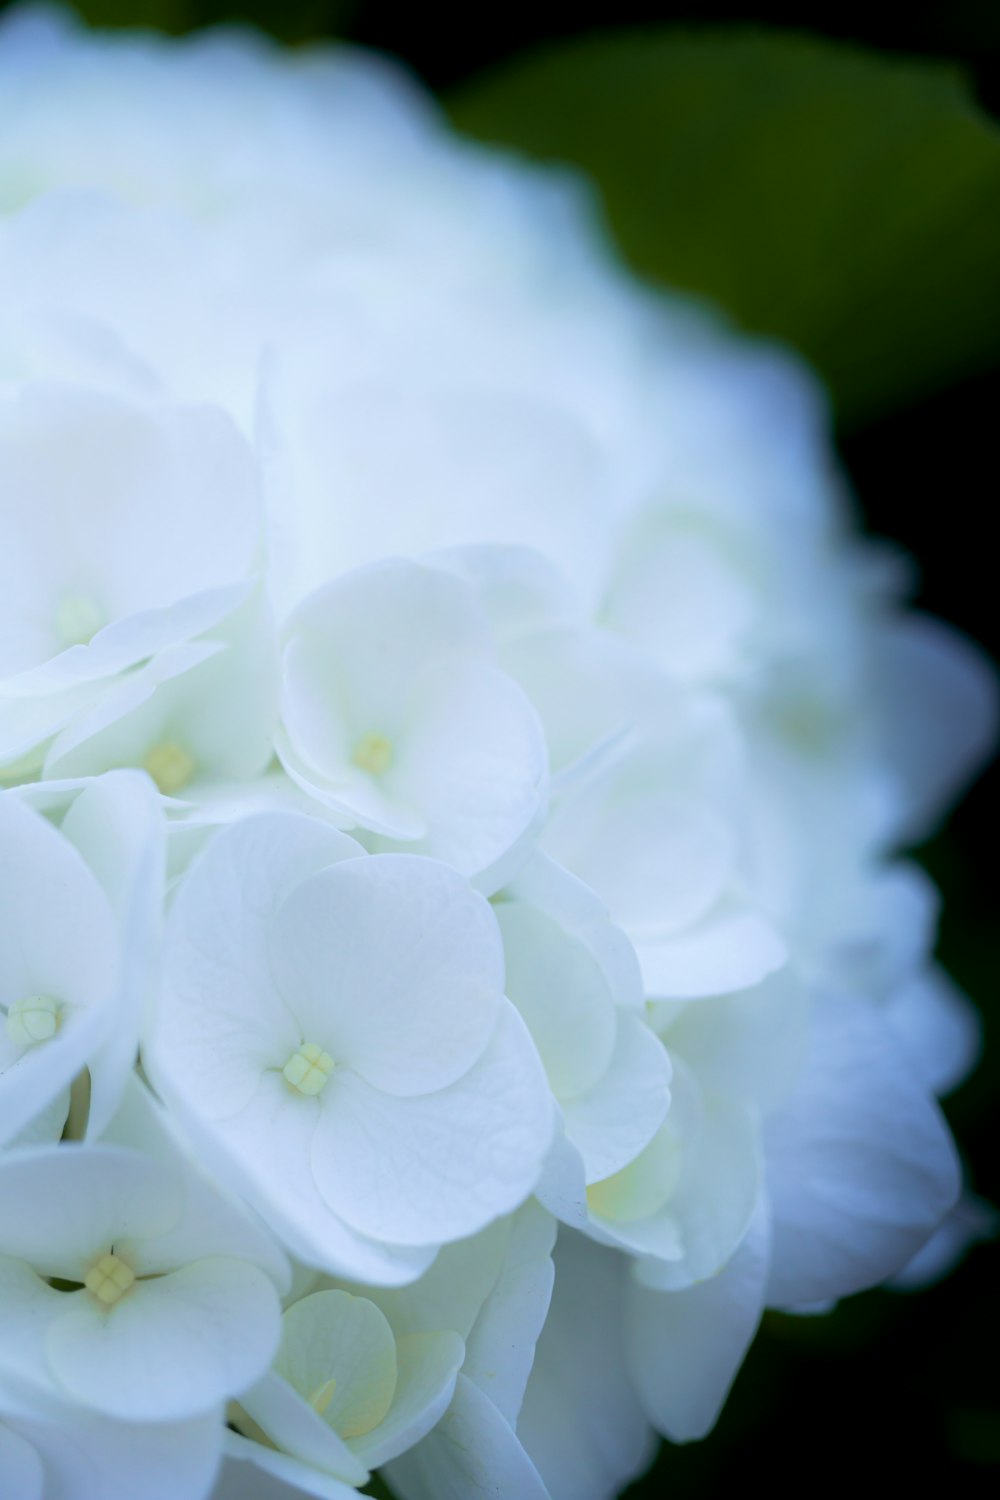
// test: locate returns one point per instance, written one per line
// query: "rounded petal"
(545, 885)
(581, 1421)
(611, 1123)
(339, 677)
(682, 592)
(394, 966)
(59, 941)
(729, 950)
(471, 1451)
(860, 1165)
(688, 1199)
(426, 1170)
(117, 824)
(253, 1472)
(684, 1348)
(750, 1046)
(341, 1345)
(89, 1457)
(126, 486)
(939, 1027)
(474, 762)
(658, 863)
(500, 1347)
(290, 1421)
(62, 1206)
(562, 996)
(935, 696)
(263, 1153)
(428, 1366)
(221, 1021)
(174, 1347)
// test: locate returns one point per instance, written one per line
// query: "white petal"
(729, 950)
(357, 649)
(126, 486)
(939, 1027)
(936, 699)
(752, 1045)
(430, 1169)
(684, 1348)
(21, 1471)
(253, 1472)
(500, 1349)
(90, 1457)
(129, 641)
(264, 1153)
(610, 1124)
(117, 824)
(428, 1368)
(464, 466)
(118, 726)
(298, 1430)
(562, 995)
(683, 593)
(62, 1206)
(59, 941)
(216, 698)
(860, 1165)
(473, 760)
(544, 884)
(970, 1222)
(587, 687)
(174, 1347)
(221, 1021)
(562, 1186)
(332, 1336)
(394, 966)
(471, 1451)
(581, 1421)
(517, 588)
(690, 1206)
(27, 1306)
(210, 1223)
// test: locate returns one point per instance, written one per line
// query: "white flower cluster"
(454, 752)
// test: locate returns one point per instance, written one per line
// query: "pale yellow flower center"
(372, 753)
(33, 1020)
(170, 766)
(109, 1279)
(308, 1070)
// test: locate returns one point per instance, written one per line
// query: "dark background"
(891, 1389)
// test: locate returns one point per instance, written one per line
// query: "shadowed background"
(837, 183)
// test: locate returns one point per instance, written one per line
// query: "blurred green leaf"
(844, 200)
(290, 21)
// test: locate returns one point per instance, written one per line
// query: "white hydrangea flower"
(335, 1029)
(405, 727)
(130, 527)
(162, 1311)
(346, 1394)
